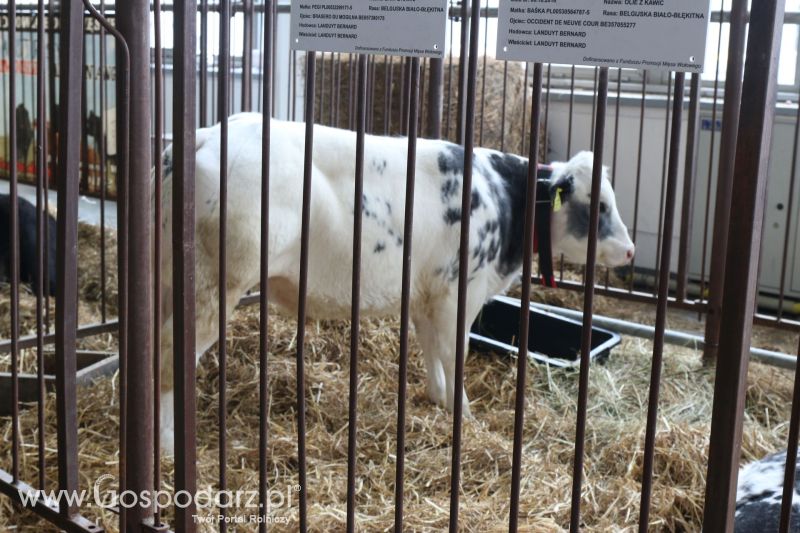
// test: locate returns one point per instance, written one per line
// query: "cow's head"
(571, 188)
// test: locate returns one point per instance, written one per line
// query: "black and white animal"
(496, 232)
(27, 244)
(759, 493)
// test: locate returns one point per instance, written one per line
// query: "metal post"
(183, 296)
(70, 53)
(435, 98)
(748, 198)
(690, 169)
(133, 23)
(722, 210)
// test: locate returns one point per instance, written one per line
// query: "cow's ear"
(565, 186)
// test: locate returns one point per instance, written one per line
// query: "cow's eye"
(603, 207)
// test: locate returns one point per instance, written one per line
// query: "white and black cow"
(496, 232)
(759, 494)
(27, 244)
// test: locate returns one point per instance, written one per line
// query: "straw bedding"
(614, 443)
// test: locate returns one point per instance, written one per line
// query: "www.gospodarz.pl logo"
(104, 495)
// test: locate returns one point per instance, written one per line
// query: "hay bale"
(502, 118)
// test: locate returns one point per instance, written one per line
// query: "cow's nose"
(629, 254)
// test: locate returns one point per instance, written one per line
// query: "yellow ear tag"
(557, 201)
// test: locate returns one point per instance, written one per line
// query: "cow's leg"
(437, 331)
(429, 340)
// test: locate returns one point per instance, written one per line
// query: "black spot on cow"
(451, 159)
(509, 196)
(578, 220)
(476, 201)
(379, 247)
(450, 188)
(388, 207)
(452, 216)
(27, 244)
(167, 164)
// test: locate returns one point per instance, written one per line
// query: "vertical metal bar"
(14, 236)
(223, 109)
(203, 63)
(332, 94)
(503, 108)
(247, 56)
(663, 183)
(301, 306)
(183, 296)
(571, 114)
(524, 130)
(337, 104)
(449, 97)
(661, 309)
(387, 94)
(594, 111)
(483, 77)
(103, 170)
(525, 308)
(157, 243)
(463, 266)
(71, 53)
(84, 186)
(722, 209)
(588, 298)
(41, 227)
(358, 199)
(758, 94)
(53, 147)
(405, 299)
(707, 210)
(423, 66)
(263, 381)
(689, 173)
(133, 17)
(462, 69)
(639, 161)
(435, 98)
(791, 456)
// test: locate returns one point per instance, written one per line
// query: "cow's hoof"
(437, 395)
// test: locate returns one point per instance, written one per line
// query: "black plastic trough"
(552, 339)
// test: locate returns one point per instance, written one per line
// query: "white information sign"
(390, 27)
(644, 34)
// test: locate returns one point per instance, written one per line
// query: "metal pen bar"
(203, 63)
(525, 307)
(158, 82)
(689, 174)
(301, 306)
(707, 210)
(263, 378)
(791, 457)
(183, 295)
(41, 227)
(358, 199)
(247, 56)
(728, 142)
(13, 227)
(588, 299)
(463, 267)
(103, 171)
(661, 309)
(71, 53)
(639, 161)
(138, 408)
(749, 194)
(405, 299)
(223, 110)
